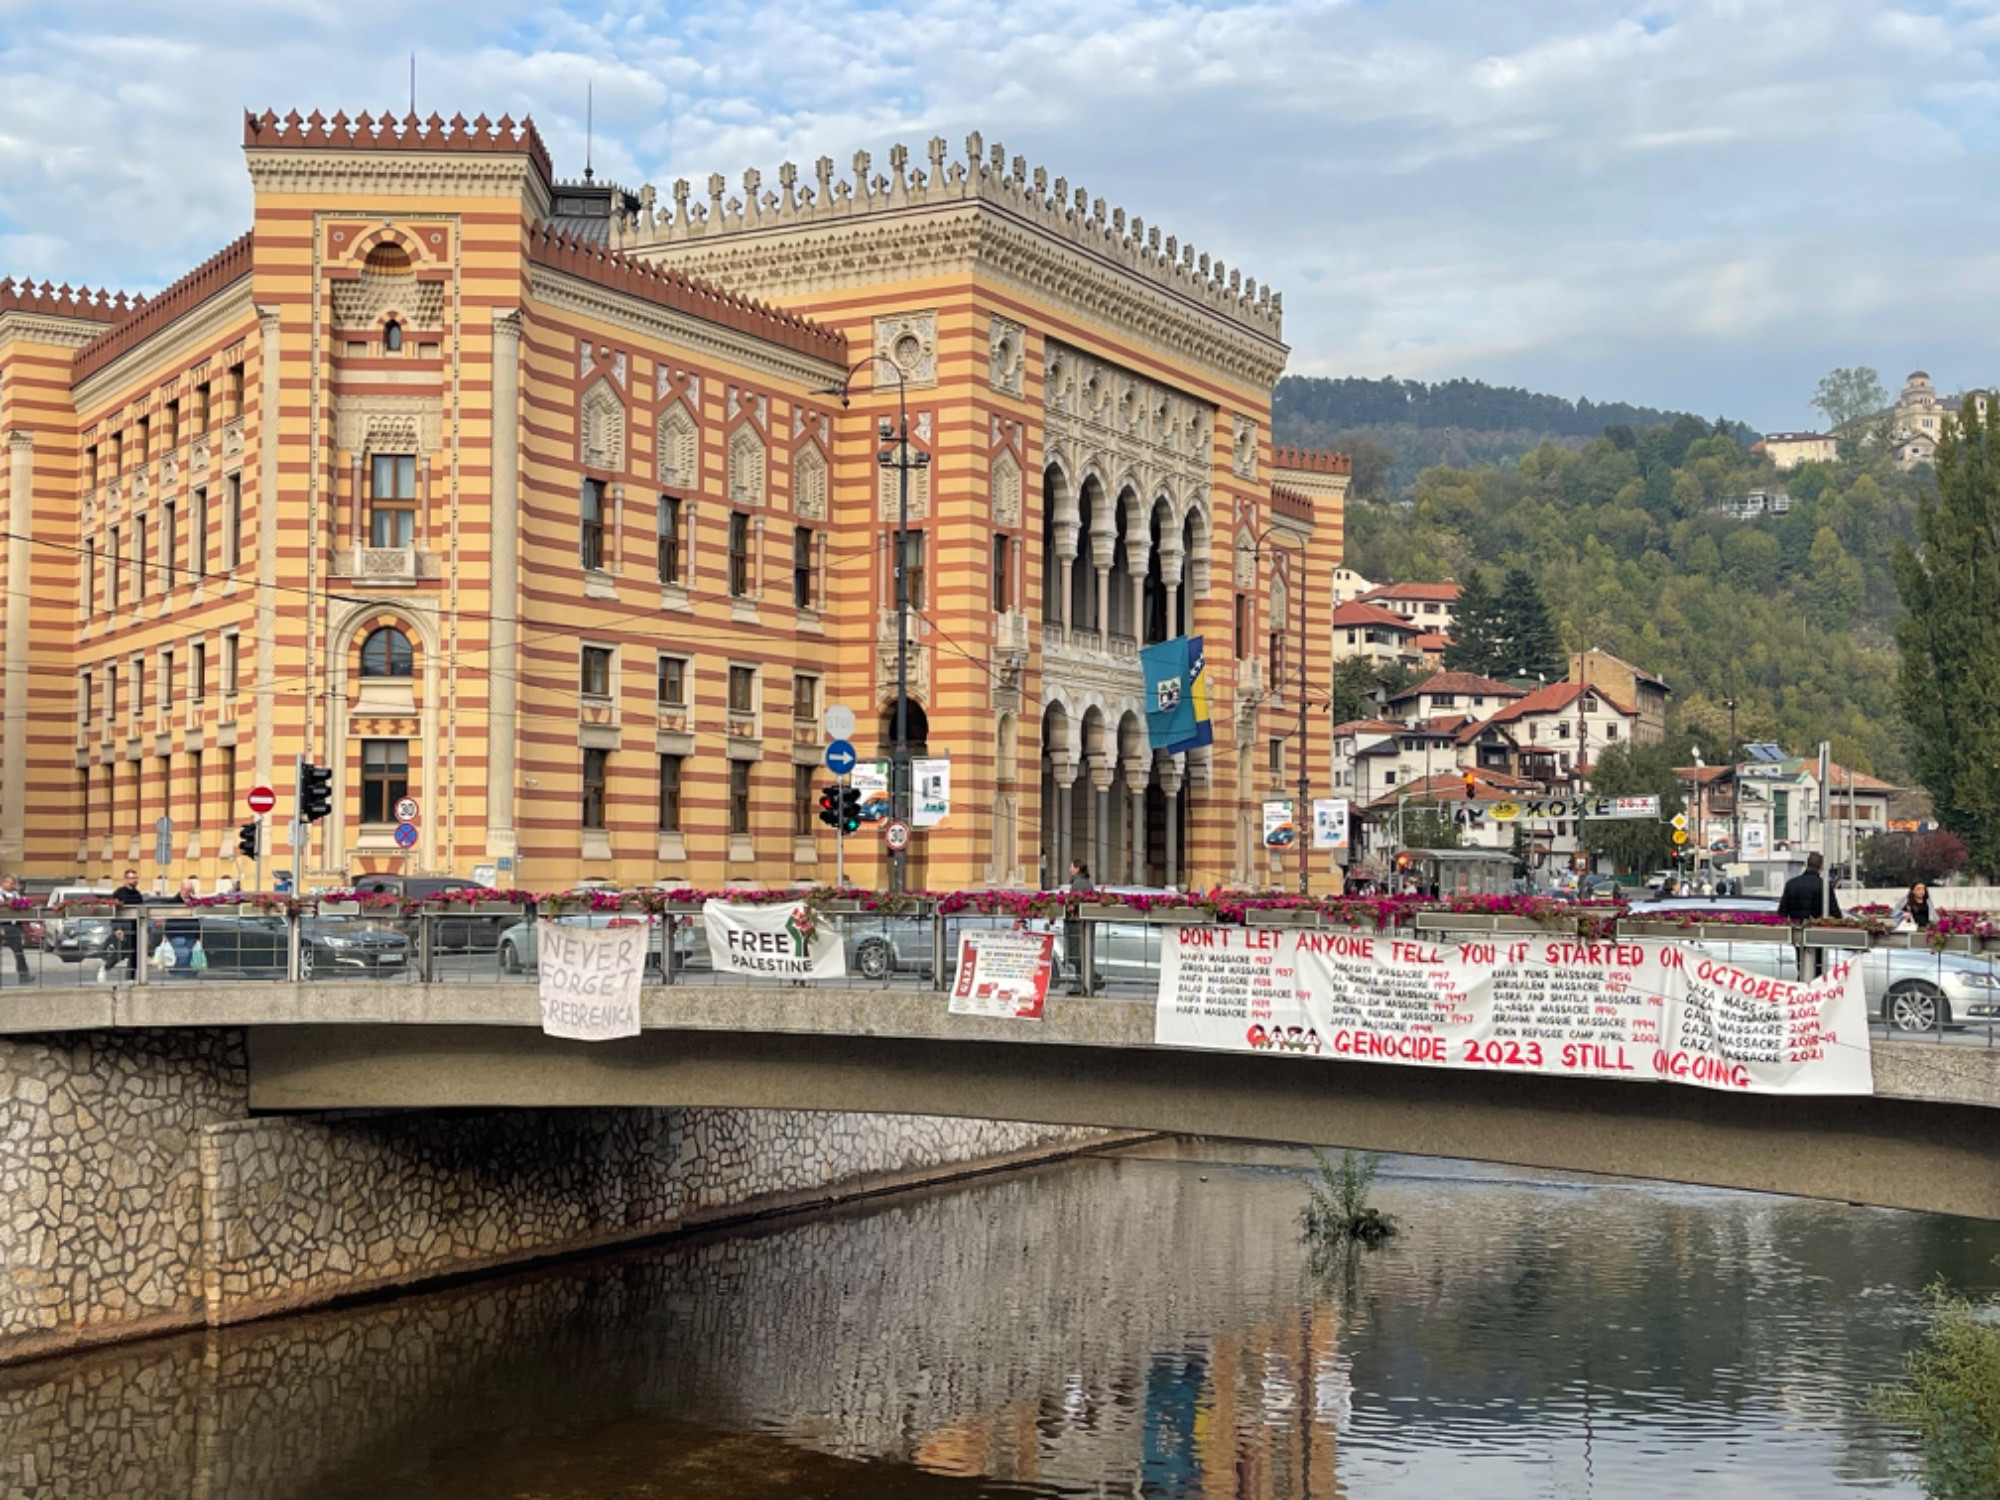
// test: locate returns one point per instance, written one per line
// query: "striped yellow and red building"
(559, 511)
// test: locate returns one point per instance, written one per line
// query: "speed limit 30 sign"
(896, 836)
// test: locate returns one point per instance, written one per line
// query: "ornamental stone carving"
(890, 500)
(906, 342)
(1244, 461)
(388, 424)
(365, 302)
(1146, 440)
(677, 448)
(1006, 491)
(809, 484)
(1008, 342)
(602, 423)
(746, 466)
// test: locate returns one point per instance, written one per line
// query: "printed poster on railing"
(1627, 1008)
(773, 942)
(1002, 972)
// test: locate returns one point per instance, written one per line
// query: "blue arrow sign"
(406, 835)
(840, 757)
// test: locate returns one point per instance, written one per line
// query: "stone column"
(358, 481)
(1100, 781)
(1170, 783)
(14, 701)
(1064, 776)
(1170, 577)
(505, 592)
(1135, 788)
(267, 546)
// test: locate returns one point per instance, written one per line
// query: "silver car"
(1912, 989)
(519, 949)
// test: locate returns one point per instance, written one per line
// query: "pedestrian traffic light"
(829, 806)
(1471, 786)
(315, 792)
(850, 809)
(246, 839)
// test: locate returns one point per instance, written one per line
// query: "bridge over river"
(1927, 1137)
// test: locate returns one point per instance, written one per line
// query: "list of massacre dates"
(1585, 1008)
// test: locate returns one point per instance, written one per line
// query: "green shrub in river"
(1950, 1397)
(1338, 1211)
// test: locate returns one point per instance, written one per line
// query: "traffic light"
(246, 839)
(315, 792)
(850, 809)
(829, 806)
(1471, 786)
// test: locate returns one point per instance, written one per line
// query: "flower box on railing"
(1282, 916)
(1479, 921)
(1706, 932)
(340, 908)
(1836, 937)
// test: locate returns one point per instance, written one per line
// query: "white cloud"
(1690, 202)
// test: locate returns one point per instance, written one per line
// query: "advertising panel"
(1280, 832)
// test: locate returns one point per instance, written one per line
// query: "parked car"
(1911, 989)
(453, 933)
(520, 951)
(87, 938)
(67, 896)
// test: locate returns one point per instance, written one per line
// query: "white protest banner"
(1002, 972)
(777, 942)
(1634, 1009)
(590, 979)
(932, 808)
(1329, 823)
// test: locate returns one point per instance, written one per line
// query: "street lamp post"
(895, 454)
(1735, 791)
(1302, 812)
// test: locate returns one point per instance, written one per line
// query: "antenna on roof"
(413, 82)
(589, 107)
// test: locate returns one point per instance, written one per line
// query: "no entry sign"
(262, 799)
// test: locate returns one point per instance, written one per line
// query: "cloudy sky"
(1688, 203)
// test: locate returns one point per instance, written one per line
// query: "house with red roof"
(1430, 606)
(1561, 729)
(1380, 635)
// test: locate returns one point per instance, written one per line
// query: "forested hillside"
(1395, 428)
(1790, 614)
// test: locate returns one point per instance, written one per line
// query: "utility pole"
(1302, 811)
(895, 453)
(1735, 792)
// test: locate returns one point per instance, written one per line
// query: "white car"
(518, 951)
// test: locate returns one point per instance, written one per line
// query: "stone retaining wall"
(140, 1196)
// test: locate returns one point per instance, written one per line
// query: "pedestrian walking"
(1080, 884)
(10, 931)
(1799, 903)
(124, 944)
(1916, 908)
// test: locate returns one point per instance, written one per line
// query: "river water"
(1138, 1323)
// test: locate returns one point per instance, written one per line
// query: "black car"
(254, 946)
(453, 933)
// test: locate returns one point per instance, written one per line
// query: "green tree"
(1837, 584)
(1429, 825)
(1628, 770)
(1950, 639)
(1475, 622)
(1849, 395)
(1369, 466)
(1354, 688)
(1526, 644)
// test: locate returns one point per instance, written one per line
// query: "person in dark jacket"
(1800, 900)
(124, 944)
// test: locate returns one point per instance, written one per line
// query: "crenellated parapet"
(984, 176)
(387, 132)
(220, 271)
(66, 301)
(1311, 460)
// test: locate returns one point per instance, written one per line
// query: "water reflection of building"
(1121, 1326)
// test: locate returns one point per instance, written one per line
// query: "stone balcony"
(384, 565)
